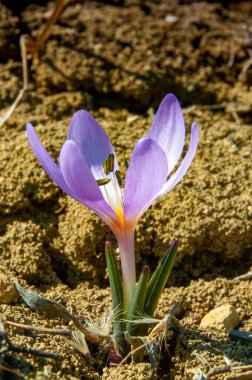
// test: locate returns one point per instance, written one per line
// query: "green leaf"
(136, 307)
(115, 282)
(159, 279)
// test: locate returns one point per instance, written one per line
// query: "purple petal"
(145, 177)
(81, 181)
(44, 158)
(92, 141)
(185, 164)
(168, 129)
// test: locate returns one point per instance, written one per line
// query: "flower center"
(111, 186)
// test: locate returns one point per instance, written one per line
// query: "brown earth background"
(118, 59)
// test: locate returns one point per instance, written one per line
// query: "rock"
(224, 317)
(8, 291)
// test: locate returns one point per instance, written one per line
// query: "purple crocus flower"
(88, 172)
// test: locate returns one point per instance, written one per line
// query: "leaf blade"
(159, 279)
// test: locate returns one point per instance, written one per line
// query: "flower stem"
(125, 241)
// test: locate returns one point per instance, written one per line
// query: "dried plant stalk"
(23, 50)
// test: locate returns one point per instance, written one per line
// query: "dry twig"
(27, 45)
(34, 47)
(45, 330)
(243, 277)
(23, 50)
(10, 370)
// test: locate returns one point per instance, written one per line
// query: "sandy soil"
(118, 60)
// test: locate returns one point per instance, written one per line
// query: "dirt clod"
(8, 291)
(223, 317)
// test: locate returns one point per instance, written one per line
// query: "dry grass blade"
(231, 367)
(240, 376)
(36, 46)
(203, 360)
(78, 342)
(6, 345)
(165, 328)
(199, 375)
(163, 331)
(152, 350)
(23, 50)
(11, 370)
(29, 46)
(54, 310)
(243, 277)
(44, 330)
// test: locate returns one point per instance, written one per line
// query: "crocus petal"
(92, 141)
(185, 164)
(80, 179)
(44, 158)
(168, 129)
(145, 177)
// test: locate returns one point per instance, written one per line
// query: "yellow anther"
(108, 165)
(125, 161)
(102, 182)
(110, 160)
(105, 167)
(118, 177)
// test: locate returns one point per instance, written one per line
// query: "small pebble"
(224, 317)
(8, 291)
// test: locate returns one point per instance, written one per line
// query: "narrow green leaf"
(115, 282)
(136, 307)
(159, 279)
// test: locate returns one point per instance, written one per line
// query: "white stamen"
(112, 191)
(117, 188)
